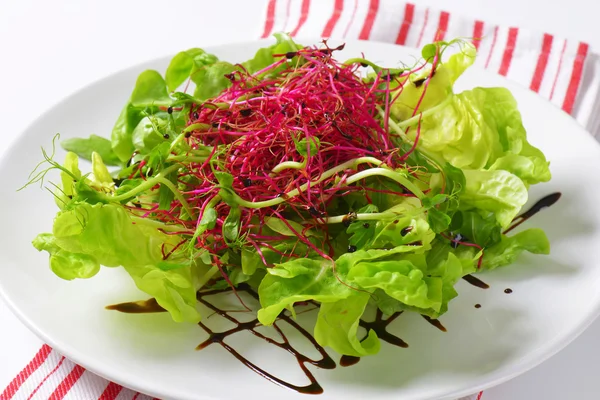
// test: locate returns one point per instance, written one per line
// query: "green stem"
(358, 60)
(187, 159)
(212, 202)
(327, 174)
(388, 214)
(159, 225)
(176, 141)
(338, 219)
(288, 165)
(388, 174)
(177, 194)
(376, 68)
(198, 125)
(144, 186)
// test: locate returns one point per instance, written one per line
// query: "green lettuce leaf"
(211, 81)
(107, 233)
(85, 147)
(65, 264)
(499, 192)
(476, 129)
(406, 277)
(121, 136)
(298, 280)
(337, 327)
(147, 135)
(150, 90)
(475, 228)
(401, 231)
(510, 247)
(439, 88)
(443, 271)
(184, 64)
(264, 56)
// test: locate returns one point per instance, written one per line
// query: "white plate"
(555, 298)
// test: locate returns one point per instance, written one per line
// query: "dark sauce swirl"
(379, 324)
(326, 362)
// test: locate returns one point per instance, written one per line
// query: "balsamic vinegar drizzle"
(435, 322)
(476, 281)
(379, 325)
(326, 362)
(544, 202)
(138, 307)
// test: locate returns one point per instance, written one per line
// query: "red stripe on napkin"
(48, 375)
(508, 51)
(111, 392)
(67, 383)
(33, 365)
(270, 21)
(338, 8)
(582, 52)
(442, 26)
(540, 68)
(477, 33)
(303, 16)
(409, 13)
(366, 29)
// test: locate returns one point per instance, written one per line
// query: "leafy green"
(71, 164)
(337, 326)
(402, 231)
(475, 129)
(121, 136)
(211, 80)
(184, 64)
(231, 226)
(264, 56)
(150, 90)
(499, 192)
(147, 134)
(394, 227)
(438, 220)
(65, 264)
(483, 230)
(100, 178)
(106, 233)
(85, 147)
(510, 247)
(165, 194)
(298, 280)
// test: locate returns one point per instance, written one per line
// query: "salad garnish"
(305, 178)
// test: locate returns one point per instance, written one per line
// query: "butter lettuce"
(85, 236)
(414, 218)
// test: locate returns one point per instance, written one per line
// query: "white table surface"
(51, 48)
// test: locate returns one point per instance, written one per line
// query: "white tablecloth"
(51, 48)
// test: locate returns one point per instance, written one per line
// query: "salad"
(304, 177)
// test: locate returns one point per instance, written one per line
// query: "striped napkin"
(562, 70)
(50, 376)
